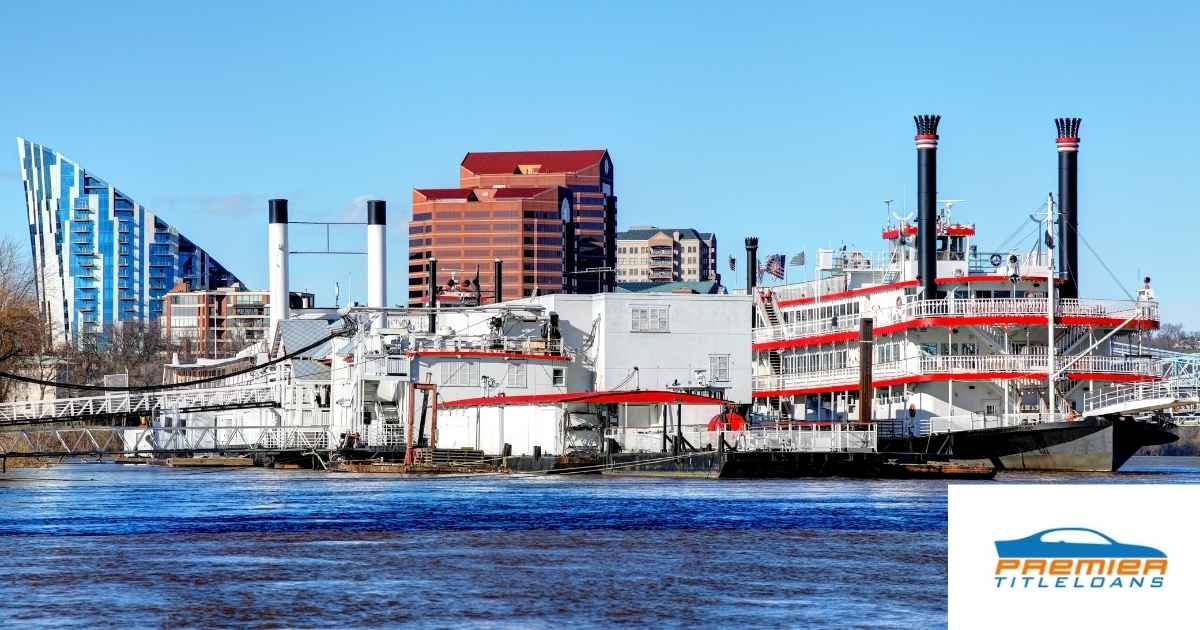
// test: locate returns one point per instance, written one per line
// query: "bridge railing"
(134, 403)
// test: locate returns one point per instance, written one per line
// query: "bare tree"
(22, 334)
(136, 348)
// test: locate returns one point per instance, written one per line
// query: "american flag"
(774, 265)
(732, 263)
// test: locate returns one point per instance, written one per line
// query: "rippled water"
(128, 546)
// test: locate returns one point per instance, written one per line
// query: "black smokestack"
(432, 292)
(498, 267)
(1068, 204)
(751, 263)
(927, 139)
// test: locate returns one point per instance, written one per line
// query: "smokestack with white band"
(376, 253)
(277, 259)
(927, 141)
(1068, 204)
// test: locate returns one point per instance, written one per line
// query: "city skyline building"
(100, 258)
(650, 254)
(549, 216)
(219, 323)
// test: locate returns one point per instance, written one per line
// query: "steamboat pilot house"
(961, 338)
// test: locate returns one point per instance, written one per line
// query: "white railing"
(1185, 391)
(810, 438)
(294, 438)
(801, 437)
(991, 307)
(812, 328)
(811, 288)
(132, 403)
(961, 364)
(949, 364)
(385, 435)
(520, 345)
(840, 376)
(165, 440)
(972, 422)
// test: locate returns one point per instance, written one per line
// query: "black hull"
(1088, 445)
(793, 465)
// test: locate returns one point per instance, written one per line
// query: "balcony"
(973, 366)
(975, 311)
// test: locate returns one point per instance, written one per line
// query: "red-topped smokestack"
(1068, 203)
(927, 141)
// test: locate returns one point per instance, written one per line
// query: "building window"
(718, 368)
(518, 375)
(649, 319)
(559, 377)
(460, 373)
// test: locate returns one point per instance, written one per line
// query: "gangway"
(134, 403)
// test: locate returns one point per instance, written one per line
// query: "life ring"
(728, 421)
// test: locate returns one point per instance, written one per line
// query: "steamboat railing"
(1001, 365)
(798, 437)
(968, 308)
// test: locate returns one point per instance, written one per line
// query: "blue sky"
(788, 121)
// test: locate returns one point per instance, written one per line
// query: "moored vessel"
(977, 355)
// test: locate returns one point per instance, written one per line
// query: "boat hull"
(1088, 445)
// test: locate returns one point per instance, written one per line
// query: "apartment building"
(218, 323)
(652, 254)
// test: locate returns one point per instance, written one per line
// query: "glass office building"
(101, 258)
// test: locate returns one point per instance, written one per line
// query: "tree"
(22, 333)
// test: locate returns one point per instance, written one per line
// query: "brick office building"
(549, 215)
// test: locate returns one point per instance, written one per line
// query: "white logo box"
(1132, 520)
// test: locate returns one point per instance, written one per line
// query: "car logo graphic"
(1072, 542)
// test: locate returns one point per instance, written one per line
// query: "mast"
(1050, 351)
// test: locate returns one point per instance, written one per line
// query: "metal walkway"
(161, 441)
(124, 404)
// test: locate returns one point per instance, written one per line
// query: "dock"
(210, 462)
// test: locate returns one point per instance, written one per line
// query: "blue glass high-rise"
(100, 258)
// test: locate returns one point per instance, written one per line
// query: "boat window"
(1077, 536)
(518, 375)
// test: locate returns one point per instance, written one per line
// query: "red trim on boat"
(952, 322)
(966, 376)
(647, 397)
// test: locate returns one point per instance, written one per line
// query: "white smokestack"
(376, 253)
(277, 259)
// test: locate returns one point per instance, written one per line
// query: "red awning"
(650, 397)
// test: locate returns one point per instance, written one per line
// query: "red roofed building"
(549, 215)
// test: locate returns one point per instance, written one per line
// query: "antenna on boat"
(1050, 350)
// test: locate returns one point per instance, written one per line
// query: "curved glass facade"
(101, 258)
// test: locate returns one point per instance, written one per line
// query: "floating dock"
(210, 462)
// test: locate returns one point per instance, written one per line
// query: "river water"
(91, 545)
